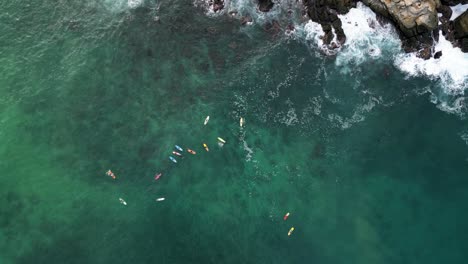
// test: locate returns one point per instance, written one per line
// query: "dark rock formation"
(446, 11)
(273, 27)
(460, 25)
(265, 5)
(325, 12)
(460, 30)
(417, 21)
(454, 2)
(464, 44)
(246, 19)
(217, 5)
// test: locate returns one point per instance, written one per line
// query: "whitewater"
(368, 40)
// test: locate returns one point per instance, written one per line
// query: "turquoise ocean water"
(370, 169)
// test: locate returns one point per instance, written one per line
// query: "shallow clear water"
(370, 170)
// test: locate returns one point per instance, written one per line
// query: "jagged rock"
(438, 55)
(328, 37)
(273, 27)
(424, 53)
(460, 25)
(416, 20)
(265, 5)
(412, 17)
(377, 6)
(446, 26)
(445, 11)
(464, 45)
(325, 12)
(333, 45)
(460, 31)
(246, 19)
(218, 5)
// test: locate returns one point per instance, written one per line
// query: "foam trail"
(134, 3)
(121, 5)
(249, 151)
(366, 39)
(312, 32)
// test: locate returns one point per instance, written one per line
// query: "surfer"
(179, 148)
(157, 176)
(111, 174)
(191, 151)
(206, 147)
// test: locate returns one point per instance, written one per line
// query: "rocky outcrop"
(460, 26)
(265, 5)
(217, 5)
(416, 20)
(446, 11)
(460, 30)
(325, 12)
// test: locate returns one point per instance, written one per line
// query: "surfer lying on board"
(111, 174)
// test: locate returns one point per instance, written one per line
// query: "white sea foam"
(464, 136)
(311, 32)
(368, 40)
(451, 69)
(248, 150)
(458, 10)
(121, 5)
(365, 37)
(357, 116)
(134, 3)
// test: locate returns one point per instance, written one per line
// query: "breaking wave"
(369, 40)
(122, 5)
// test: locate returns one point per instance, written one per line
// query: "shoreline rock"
(325, 12)
(460, 31)
(216, 5)
(265, 5)
(416, 21)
